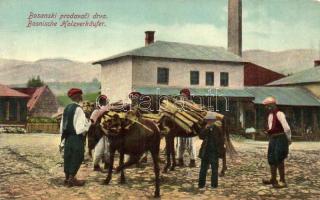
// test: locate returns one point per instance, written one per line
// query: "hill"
(285, 62)
(50, 70)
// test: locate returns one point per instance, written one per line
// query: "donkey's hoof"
(172, 168)
(156, 194)
(122, 181)
(221, 174)
(106, 182)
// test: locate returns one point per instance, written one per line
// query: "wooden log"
(179, 123)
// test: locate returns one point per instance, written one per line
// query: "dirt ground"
(31, 168)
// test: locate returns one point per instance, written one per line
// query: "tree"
(35, 82)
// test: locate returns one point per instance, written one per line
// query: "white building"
(170, 65)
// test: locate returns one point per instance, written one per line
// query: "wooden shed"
(13, 107)
(42, 102)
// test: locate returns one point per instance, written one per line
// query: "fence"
(42, 127)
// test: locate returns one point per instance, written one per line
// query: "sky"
(272, 25)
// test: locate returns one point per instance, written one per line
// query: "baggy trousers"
(73, 154)
(101, 151)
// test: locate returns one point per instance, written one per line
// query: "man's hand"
(61, 146)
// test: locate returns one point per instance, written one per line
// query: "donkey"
(134, 140)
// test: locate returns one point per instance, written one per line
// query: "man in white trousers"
(186, 143)
(101, 150)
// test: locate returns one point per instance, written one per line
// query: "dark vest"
(276, 125)
(67, 124)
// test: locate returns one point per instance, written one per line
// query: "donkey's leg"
(168, 164)
(224, 164)
(155, 158)
(122, 177)
(109, 176)
(133, 159)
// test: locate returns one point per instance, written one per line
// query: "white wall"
(145, 72)
(116, 79)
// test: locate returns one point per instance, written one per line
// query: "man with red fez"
(135, 99)
(101, 150)
(73, 128)
(186, 143)
(279, 140)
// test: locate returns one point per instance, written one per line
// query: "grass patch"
(65, 100)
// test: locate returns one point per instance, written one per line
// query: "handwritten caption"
(66, 20)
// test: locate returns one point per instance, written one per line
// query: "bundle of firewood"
(186, 114)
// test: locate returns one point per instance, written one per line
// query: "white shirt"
(80, 123)
(282, 119)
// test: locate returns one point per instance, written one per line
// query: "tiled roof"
(34, 94)
(291, 96)
(163, 49)
(307, 76)
(5, 91)
(221, 92)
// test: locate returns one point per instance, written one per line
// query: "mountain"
(50, 70)
(285, 62)
(65, 70)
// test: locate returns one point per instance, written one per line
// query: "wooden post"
(315, 125)
(255, 116)
(302, 120)
(238, 115)
(8, 110)
(18, 111)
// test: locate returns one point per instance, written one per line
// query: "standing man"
(101, 150)
(184, 143)
(209, 151)
(280, 138)
(74, 126)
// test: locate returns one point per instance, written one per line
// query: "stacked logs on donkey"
(133, 133)
(186, 119)
(130, 134)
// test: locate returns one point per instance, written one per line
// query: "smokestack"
(149, 37)
(317, 63)
(235, 27)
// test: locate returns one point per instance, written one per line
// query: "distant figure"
(101, 150)
(73, 127)
(186, 143)
(280, 138)
(209, 151)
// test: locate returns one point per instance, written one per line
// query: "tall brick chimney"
(317, 63)
(149, 37)
(235, 26)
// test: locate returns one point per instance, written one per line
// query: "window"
(224, 79)
(194, 77)
(163, 75)
(209, 78)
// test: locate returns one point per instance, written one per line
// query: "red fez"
(134, 94)
(103, 97)
(185, 91)
(74, 91)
